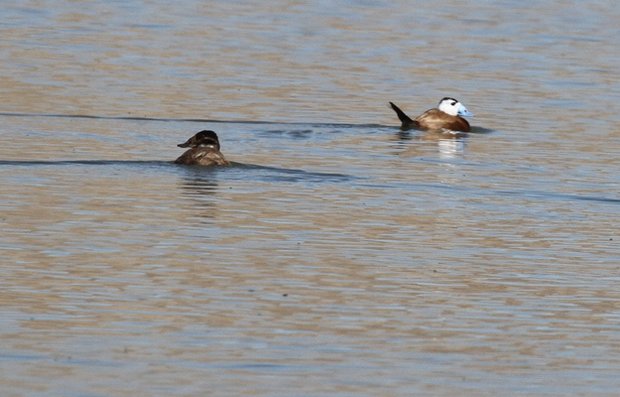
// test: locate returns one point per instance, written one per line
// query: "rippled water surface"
(336, 256)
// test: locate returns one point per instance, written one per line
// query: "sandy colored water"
(337, 256)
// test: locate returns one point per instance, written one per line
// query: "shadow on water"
(270, 174)
(293, 133)
(481, 130)
(200, 184)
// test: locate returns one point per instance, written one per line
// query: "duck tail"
(407, 122)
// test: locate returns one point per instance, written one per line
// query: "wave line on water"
(271, 173)
(81, 162)
(188, 120)
(534, 194)
(562, 196)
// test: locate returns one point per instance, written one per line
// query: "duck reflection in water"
(451, 148)
(448, 145)
(204, 150)
(199, 188)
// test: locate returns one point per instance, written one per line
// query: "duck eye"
(453, 103)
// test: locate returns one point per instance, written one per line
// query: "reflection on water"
(199, 185)
(336, 257)
(450, 148)
(449, 145)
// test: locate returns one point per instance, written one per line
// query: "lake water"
(337, 256)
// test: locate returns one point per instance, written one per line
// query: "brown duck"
(204, 150)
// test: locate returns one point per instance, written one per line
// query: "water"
(336, 256)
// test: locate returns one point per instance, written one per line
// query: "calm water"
(337, 256)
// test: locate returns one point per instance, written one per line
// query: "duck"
(447, 116)
(204, 150)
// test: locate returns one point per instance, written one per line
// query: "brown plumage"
(205, 150)
(432, 119)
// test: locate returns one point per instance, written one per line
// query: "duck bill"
(463, 112)
(187, 143)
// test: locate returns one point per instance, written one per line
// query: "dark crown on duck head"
(447, 98)
(202, 138)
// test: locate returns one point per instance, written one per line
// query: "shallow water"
(337, 255)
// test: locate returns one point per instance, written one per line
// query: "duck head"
(202, 138)
(453, 107)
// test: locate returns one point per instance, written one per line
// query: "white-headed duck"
(448, 115)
